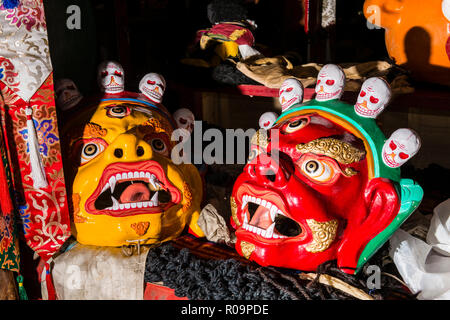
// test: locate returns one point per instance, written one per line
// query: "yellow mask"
(125, 186)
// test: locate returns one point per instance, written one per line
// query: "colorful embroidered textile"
(24, 53)
(9, 250)
(230, 32)
(26, 84)
(44, 212)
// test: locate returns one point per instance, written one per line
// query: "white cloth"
(99, 273)
(425, 266)
(439, 234)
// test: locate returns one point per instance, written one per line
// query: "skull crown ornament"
(111, 77)
(373, 97)
(330, 83)
(153, 85)
(291, 92)
(124, 186)
(316, 186)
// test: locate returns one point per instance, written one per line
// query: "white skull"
(373, 97)
(267, 120)
(330, 83)
(184, 119)
(401, 146)
(111, 77)
(152, 85)
(291, 92)
(67, 94)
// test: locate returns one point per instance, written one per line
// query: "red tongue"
(137, 192)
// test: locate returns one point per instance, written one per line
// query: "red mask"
(306, 196)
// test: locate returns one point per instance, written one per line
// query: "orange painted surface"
(417, 33)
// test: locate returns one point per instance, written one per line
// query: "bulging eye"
(104, 74)
(362, 93)
(117, 111)
(117, 73)
(373, 99)
(151, 82)
(159, 146)
(330, 82)
(296, 125)
(318, 170)
(289, 89)
(91, 150)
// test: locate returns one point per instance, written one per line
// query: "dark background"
(153, 35)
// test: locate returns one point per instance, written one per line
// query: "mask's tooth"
(244, 203)
(152, 182)
(105, 188)
(273, 212)
(245, 217)
(258, 201)
(112, 183)
(116, 203)
(269, 231)
(154, 199)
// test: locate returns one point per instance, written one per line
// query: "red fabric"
(232, 32)
(157, 292)
(44, 212)
(5, 203)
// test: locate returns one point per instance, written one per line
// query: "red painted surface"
(362, 207)
(158, 292)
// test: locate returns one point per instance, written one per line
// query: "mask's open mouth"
(364, 110)
(325, 95)
(265, 219)
(123, 190)
(151, 93)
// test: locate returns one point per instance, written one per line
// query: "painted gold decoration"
(247, 249)
(153, 125)
(140, 227)
(334, 148)
(188, 196)
(93, 130)
(324, 234)
(260, 139)
(349, 172)
(76, 209)
(234, 211)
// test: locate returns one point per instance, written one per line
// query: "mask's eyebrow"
(339, 150)
(143, 110)
(91, 131)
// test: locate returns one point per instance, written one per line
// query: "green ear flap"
(411, 196)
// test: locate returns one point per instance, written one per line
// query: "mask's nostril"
(118, 153)
(140, 151)
(270, 175)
